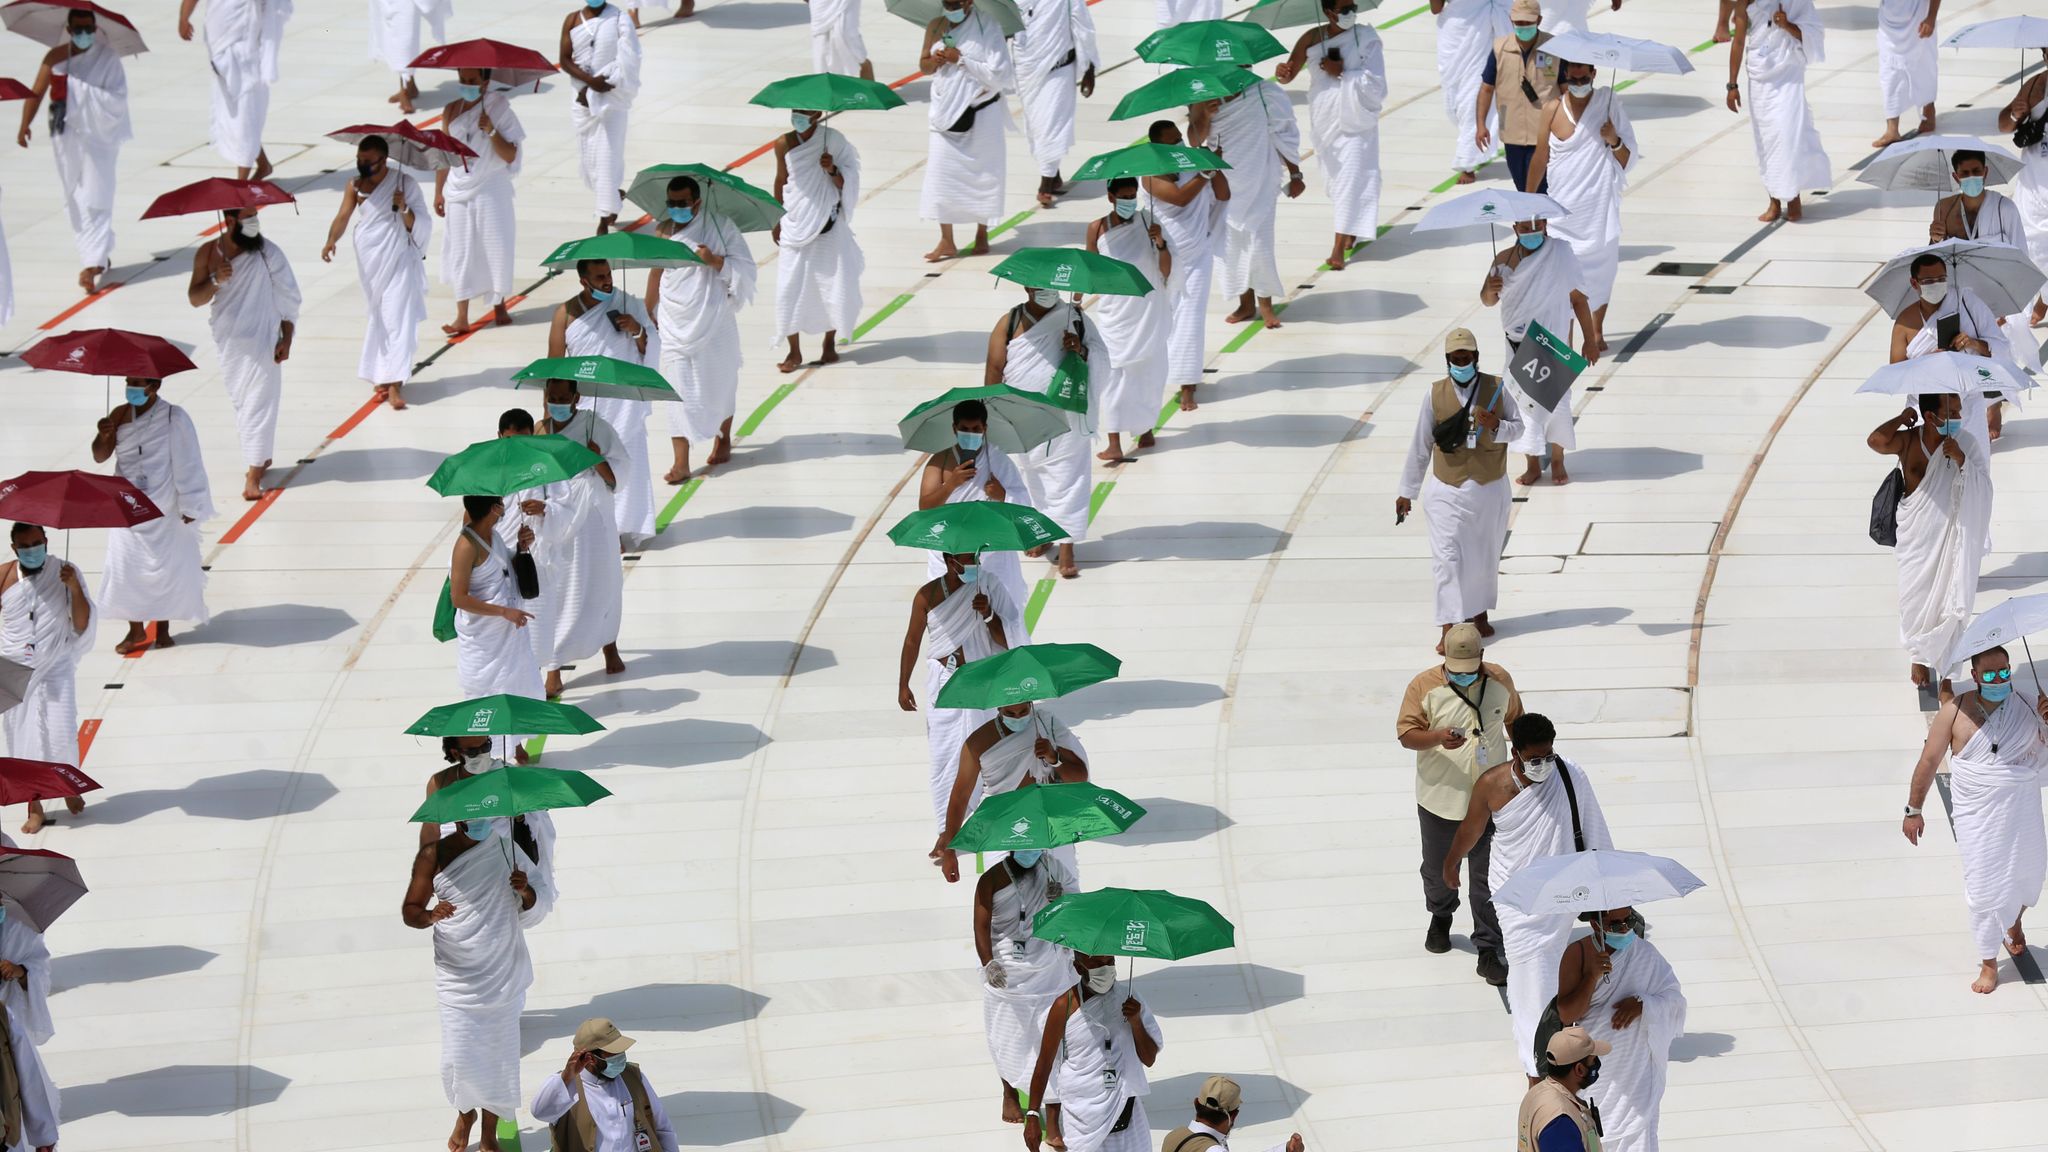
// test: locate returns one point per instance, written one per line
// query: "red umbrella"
(24, 780)
(14, 90)
(74, 499)
(424, 148)
(41, 884)
(510, 64)
(217, 194)
(109, 352)
(43, 21)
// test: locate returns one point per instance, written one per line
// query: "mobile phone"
(1457, 733)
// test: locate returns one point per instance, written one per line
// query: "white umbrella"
(1490, 206)
(1594, 882)
(1923, 163)
(1947, 372)
(1998, 274)
(2021, 32)
(1619, 53)
(2015, 619)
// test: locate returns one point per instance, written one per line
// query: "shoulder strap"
(1010, 332)
(1194, 1136)
(1571, 797)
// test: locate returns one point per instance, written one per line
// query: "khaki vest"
(1546, 1102)
(1520, 121)
(576, 1131)
(1484, 464)
(1183, 1140)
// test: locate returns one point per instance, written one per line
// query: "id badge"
(641, 1141)
(1109, 1079)
(1484, 755)
(1017, 949)
(1472, 437)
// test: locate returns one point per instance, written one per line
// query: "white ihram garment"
(1098, 1070)
(1788, 147)
(576, 549)
(28, 1007)
(1465, 33)
(836, 44)
(1941, 550)
(1344, 121)
(1167, 13)
(242, 42)
(1567, 16)
(592, 334)
(955, 628)
(395, 30)
(1059, 475)
(1056, 47)
(1191, 235)
(476, 249)
(1630, 1090)
(963, 178)
(1135, 330)
(818, 286)
(481, 973)
(39, 1104)
(89, 148)
(247, 316)
(700, 329)
(1256, 132)
(998, 567)
(1588, 180)
(605, 44)
(2030, 192)
(392, 264)
(1035, 971)
(6, 282)
(1468, 524)
(1995, 783)
(1013, 759)
(1538, 290)
(1907, 72)
(153, 568)
(492, 654)
(35, 630)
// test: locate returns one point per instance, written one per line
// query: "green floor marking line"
(1096, 498)
(1012, 222)
(888, 310)
(1039, 596)
(535, 747)
(1453, 181)
(508, 1135)
(1707, 45)
(1166, 413)
(675, 504)
(1411, 14)
(754, 418)
(1253, 328)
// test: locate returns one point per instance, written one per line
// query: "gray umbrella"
(14, 680)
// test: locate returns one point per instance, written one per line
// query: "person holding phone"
(971, 470)
(604, 319)
(1774, 42)
(1616, 985)
(600, 1101)
(392, 227)
(1943, 316)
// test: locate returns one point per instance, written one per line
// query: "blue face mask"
(601, 295)
(1463, 679)
(470, 92)
(1027, 859)
(1949, 428)
(1530, 240)
(33, 557)
(1463, 373)
(969, 573)
(477, 830)
(969, 441)
(801, 122)
(1994, 693)
(1972, 185)
(956, 15)
(614, 1064)
(594, 5)
(1618, 941)
(681, 215)
(560, 413)
(1126, 207)
(81, 40)
(137, 396)
(1526, 32)
(1015, 723)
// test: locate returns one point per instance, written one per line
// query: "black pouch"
(1450, 432)
(526, 574)
(2028, 133)
(1123, 1120)
(966, 121)
(1884, 509)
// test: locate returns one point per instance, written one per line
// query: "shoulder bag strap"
(1571, 797)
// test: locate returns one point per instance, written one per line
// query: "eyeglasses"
(1539, 761)
(1998, 677)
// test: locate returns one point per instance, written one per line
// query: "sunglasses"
(1998, 677)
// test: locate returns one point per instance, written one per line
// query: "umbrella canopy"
(1149, 160)
(1201, 42)
(1184, 86)
(2011, 32)
(75, 499)
(923, 12)
(1027, 672)
(1072, 270)
(623, 250)
(827, 92)
(1998, 274)
(217, 194)
(1620, 53)
(1044, 816)
(719, 192)
(604, 376)
(14, 680)
(1925, 163)
(505, 715)
(1594, 882)
(510, 64)
(1133, 922)
(44, 21)
(1017, 421)
(1490, 206)
(41, 884)
(1948, 372)
(427, 149)
(2016, 619)
(24, 780)
(14, 89)
(976, 526)
(511, 464)
(1294, 13)
(109, 352)
(507, 791)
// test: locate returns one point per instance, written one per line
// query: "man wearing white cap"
(1468, 418)
(1553, 1118)
(1216, 1108)
(628, 1117)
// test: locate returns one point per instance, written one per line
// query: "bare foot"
(1987, 978)
(675, 475)
(791, 362)
(501, 315)
(1530, 475)
(1011, 1113)
(1467, 177)
(721, 448)
(136, 640)
(980, 247)
(1889, 137)
(1045, 199)
(34, 823)
(396, 397)
(1068, 569)
(459, 1139)
(613, 662)
(404, 99)
(1187, 398)
(831, 353)
(263, 168)
(2016, 942)
(252, 489)
(1794, 211)
(382, 392)
(1485, 628)
(1112, 457)
(1926, 127)
(1146, 440)
(76, 805)
(1035, 553)
(86, 277)
(163, 635)
(1772, 213)
(1240, 314)
(554, 684)
(1336, 260)
(519, 755)
(455, 329)
(1266, 312)
(686, 9)
(1558, 475)
(943, 252)
(1995, 419)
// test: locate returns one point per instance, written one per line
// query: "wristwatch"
(1912, 811)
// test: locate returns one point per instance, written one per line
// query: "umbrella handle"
(2030, 665)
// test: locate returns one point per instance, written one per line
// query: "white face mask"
(1580, 90)
(476, 763)
(250, 226)
(1347, 20)
(1539, 769)
(1045, 297)
(1101, 980)
(1934, 293)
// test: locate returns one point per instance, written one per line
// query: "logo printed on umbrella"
(1134, 933)
(1028, 684)
(1113, 806)
(1063, 276)
(1576, 896)
(587, 370)
(1196, 84)
(481, 722)
(77, 355)
(536, 468)
(128, 498)
(1487, 209)
(1224, 49)
(488, 802)
(1021, 828)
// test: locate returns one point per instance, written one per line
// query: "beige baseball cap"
(1219, 1093)
(601, 1035)
(1461, 340)
(1525, 11)
(1462, 648)
(1572, 1045)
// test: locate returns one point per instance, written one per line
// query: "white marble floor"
(1700, 611)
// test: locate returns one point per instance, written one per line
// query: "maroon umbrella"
(74, 499)
(510, 64)
(109, 352)
(24, 780)
(14, 90)
(217, 194)
(411, 147)
(41, 884)
(44, 21)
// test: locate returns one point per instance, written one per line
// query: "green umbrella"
(1184, 86)
(1294, 13)
(1208, 42)
(509, 791)
(976, 526)
(1046, 816)
(1133, 922)
(511, 464)
(1149, 160)
(623, 250)
(1026, 672)
(1072, 270)
(720, 193)
(923, 12)
(504, 715)
(827, 92)
(605, 376)
(1018, 421)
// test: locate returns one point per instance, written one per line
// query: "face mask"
(366, 169)
(1934, 293)
(1530, 240)
(1101, 980)
(81, 40)
(560, 413)
(1125, 209)
(249, 226)
(479, 830)
(1463, 679)
(956, 16)
(594, 5)
(1027, 859)
(681, 215)
(1463, 373)
(1347, 20)
(1994, 693)
(137, 396)
(614, 1064)
(1580, 90)
(3, 914)
(470, 92)
(800, 122)
(1972, 185)
(601, 296)
(1949, 428)
(1618, 941)
(1044, 297)
(1525, 33)
(1539, 768)
(1592, 1073)
(969, 573)
(477, 762)
(1016, 723)
(969, 441)
(33, 557)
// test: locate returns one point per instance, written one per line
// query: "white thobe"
(1941, 550)
(242, 42)
(1535, 824)
(605, 44)
(6, 282)
(818, 286)
(153, 568)
(1167, 13)
(1465, 33)
(1000, 567)
(1630, 1090)
(1099, 1069)
(1788, 147)
(1344, 121)
(2030, 192)
(700, 328)
(1059, 475)
(1036, 971)
(395, 30)
(392, 265)
(1056, 47)
(492, 654)
(592, 334)
(476, 249)
(1538, 290)
(1976, 319)
(611, 1111)
(1256, 132)
(836, 44)
(247, 317)
(963, 177)
(1588, 180)
(35, 630)
(27, 1001)
(481, 973)
(89, 148)
(954, 634)
(1995, 786)
(1567, 16)
(1907, 72)
(1135, 330)
(1191, 235)
(576, 549)
(1996, 220)
(1468, 523)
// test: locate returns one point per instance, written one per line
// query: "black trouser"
(1442, 900)
(1519, 156)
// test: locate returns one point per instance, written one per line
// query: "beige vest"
(1520, 121)
(1484, 464)
(1183, 1140)
(576, 1131)
(1546, 1102)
